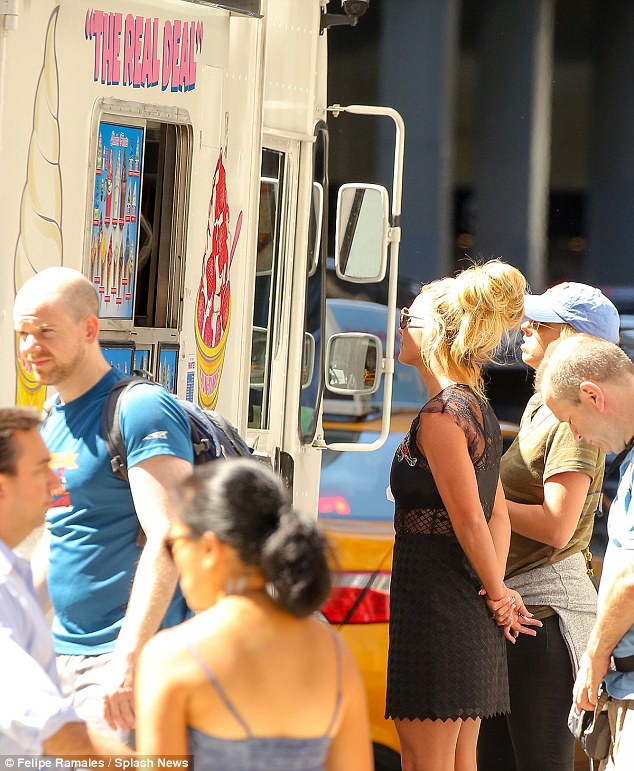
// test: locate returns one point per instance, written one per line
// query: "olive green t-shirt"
(542, 448)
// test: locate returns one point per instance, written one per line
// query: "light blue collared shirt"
(32, 707)
(621, 536)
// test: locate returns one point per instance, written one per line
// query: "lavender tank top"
(254, 753)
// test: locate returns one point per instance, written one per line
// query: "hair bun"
(246, 505)
(294, 563)
(467, 318)
(492, 287)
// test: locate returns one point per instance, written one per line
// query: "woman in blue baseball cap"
(552, 485)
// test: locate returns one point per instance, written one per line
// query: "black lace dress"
(447, 657)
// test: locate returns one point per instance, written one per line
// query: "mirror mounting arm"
(394, 240)
(394, 235)
(399, 146)
(336, 20)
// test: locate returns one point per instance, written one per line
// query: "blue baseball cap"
(584, 307)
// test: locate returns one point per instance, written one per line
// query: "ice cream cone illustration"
(120, 290)
(109, 190)
(96, 275)
(102, 265)
(39, 243)
(124, 176)
(126, 257)
(93, 254)
(117, 190)
(99, 155)
(213, 302)
(108, 278)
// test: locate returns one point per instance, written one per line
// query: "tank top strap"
(218, 688)
(335, 714)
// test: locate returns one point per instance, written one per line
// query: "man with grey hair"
(109, 576)
(589, 384)
(35, 718)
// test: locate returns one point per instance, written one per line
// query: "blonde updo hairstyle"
(467, 317)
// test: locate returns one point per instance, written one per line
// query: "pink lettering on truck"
(138, 51)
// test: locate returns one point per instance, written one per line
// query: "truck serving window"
(139, 220)
(266, 289)
(164, 205)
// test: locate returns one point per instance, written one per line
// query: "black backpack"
(213, 436)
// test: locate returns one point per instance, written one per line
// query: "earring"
(236, 585)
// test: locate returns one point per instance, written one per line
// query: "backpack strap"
(228, 431)
(47, 407)
(200, 444)
(111, 425)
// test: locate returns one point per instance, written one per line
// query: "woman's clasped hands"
(510, 613)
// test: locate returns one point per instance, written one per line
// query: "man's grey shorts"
(85, 679)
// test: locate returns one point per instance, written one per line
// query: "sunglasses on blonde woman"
(406, 320)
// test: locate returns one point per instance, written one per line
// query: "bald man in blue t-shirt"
(111, 589)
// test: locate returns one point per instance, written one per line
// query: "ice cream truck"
(176, 152)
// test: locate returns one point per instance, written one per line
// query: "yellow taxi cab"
(357, 516)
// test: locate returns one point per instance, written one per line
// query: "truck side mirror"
(354, 362)
(362, 229)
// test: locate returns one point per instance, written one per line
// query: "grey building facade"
(520, 131)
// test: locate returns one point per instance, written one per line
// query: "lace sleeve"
(462, 405)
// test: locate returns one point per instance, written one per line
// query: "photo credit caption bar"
(123, 762)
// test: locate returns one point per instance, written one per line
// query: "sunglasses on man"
(535, 325)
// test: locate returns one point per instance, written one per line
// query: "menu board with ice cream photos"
(168, 359)
(115, 218)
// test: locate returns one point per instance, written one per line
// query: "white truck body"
(171, 150)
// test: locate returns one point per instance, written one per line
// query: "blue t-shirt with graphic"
(621, 536)
(95, 533)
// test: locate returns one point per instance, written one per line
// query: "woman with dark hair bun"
(254, 681)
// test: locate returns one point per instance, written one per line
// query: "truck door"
(272, 295)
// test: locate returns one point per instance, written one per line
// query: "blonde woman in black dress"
(447, 659)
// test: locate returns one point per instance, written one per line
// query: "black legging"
(535, 735)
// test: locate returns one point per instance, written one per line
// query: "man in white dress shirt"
(34, 716)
